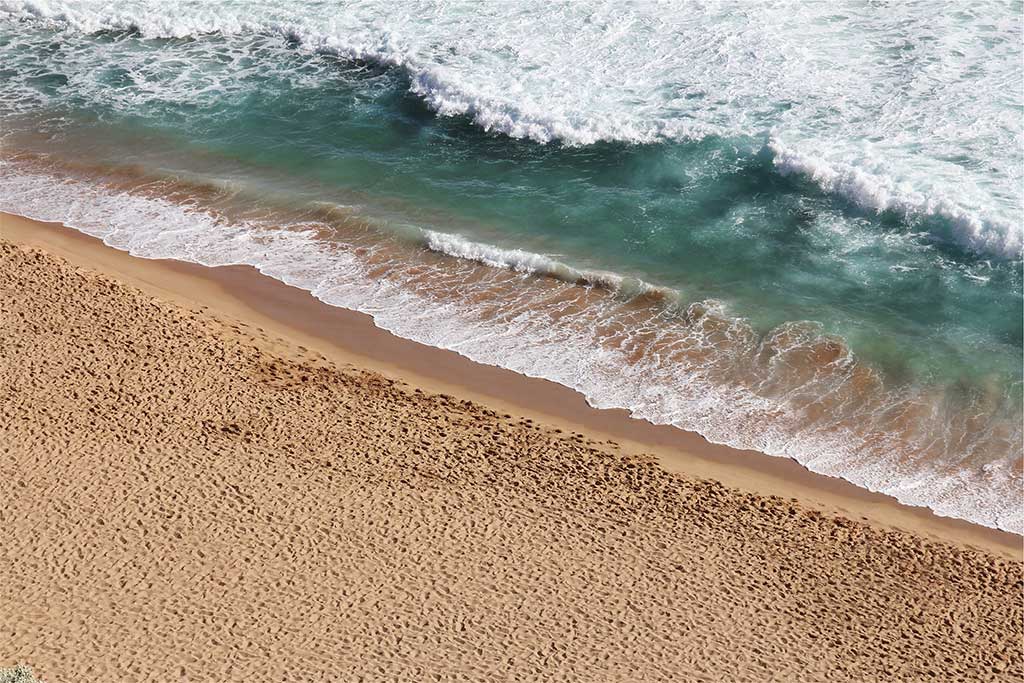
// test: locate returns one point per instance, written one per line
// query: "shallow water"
(796, 231)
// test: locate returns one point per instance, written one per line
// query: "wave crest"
(538, 264)
(969, 230)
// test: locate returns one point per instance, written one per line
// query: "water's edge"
(878, 484)
(830, 491)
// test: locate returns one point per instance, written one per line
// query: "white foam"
(513, 259)
(539, 264)
(881, 193)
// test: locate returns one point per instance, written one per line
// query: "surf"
(522, 90)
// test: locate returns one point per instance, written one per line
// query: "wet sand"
(208, 475)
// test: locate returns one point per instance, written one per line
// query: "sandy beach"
(206, 475)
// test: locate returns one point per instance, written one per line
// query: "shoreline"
(349, 337)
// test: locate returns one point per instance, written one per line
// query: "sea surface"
(791, 227)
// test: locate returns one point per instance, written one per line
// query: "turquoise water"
(801, 236)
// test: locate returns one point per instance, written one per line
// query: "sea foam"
(879, 193)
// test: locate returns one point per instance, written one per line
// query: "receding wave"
(793, 390)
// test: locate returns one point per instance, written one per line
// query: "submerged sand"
(184, 496)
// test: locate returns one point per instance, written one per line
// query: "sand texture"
(183, 497)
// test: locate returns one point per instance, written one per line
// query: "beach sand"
(204, 476)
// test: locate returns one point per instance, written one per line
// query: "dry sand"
(184, 496)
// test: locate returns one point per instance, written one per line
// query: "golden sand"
(184, 496)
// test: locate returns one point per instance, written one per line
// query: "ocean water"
(795, 228)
